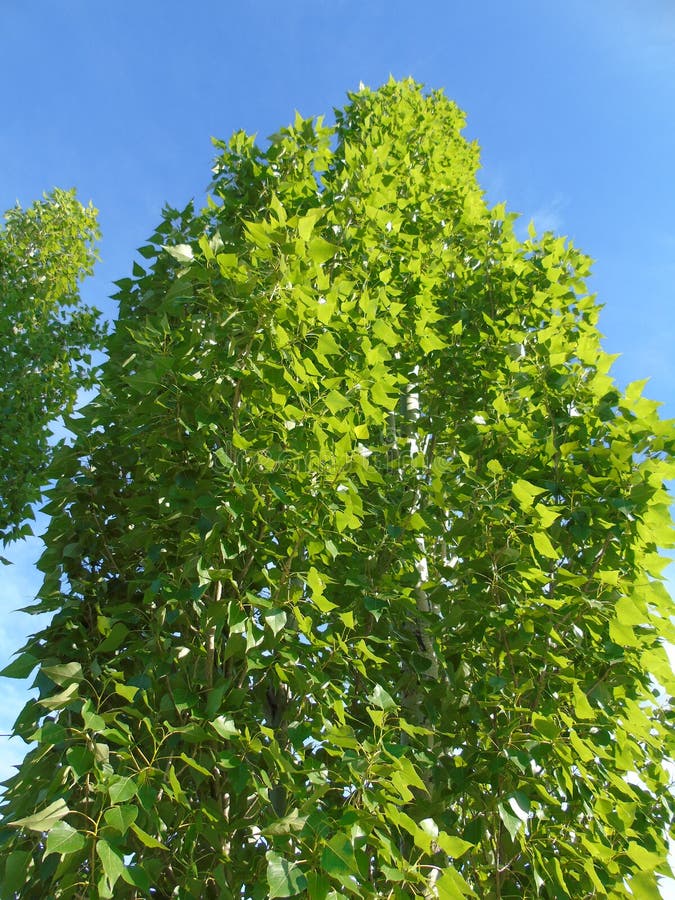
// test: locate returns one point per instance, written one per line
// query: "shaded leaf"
(64, 839)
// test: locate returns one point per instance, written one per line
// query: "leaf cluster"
(47, 335)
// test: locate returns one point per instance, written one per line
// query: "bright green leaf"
(452, 845)
(284, 878)
(525, 493)
(320, 251)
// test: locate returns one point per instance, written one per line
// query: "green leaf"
(181, 252)
(21, 667)
(111, 860)
(343, 521)
(225, 727)
(381, 397)
(316, 584)
(284, 878)
(320, 251)
(327, 345)
(581, 748)
(451, 886)
(138, 877)
(43, 820)
(452, 845)
(512, 822)
(120, 818)
(306, 223)
(407, 769)
(65, 674)
(647, 860)
(275, 619)
(92, 721)
(60, 699)
(338, 858)
(430, 342)
(525, 493)
(122, 788)
(380, 698)
(260, 233)
(544, 545)
(336, 402)
(384, 331)
(127, 691)
(147, 839)
(545, 726)
(623, 635)
(582, 707)
(64, 839)
(547, 514)
(115, 639)
(645, 886)
(391, 874)
(520, 805)
(17, 871)
(629, 613)
(318, 885)
(195, 765)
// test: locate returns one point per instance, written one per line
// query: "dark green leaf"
(21, 667)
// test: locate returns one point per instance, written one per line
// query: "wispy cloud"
(549, 215)
(642, 33)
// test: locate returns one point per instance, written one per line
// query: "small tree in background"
(353, 563)
(46, 337)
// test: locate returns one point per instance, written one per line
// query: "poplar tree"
(47, 334)
(354, 564)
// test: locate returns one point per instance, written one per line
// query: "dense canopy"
(354, 562)
(46, 337)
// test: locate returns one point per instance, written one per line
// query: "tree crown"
(47, 335)
(354, 563)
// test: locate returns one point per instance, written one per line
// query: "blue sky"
(571, 103)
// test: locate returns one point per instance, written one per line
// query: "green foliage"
(46, 337)
(354, 563)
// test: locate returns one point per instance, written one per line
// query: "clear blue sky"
(572, 103)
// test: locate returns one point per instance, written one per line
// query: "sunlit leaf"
(44, 820)
(284, 878)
